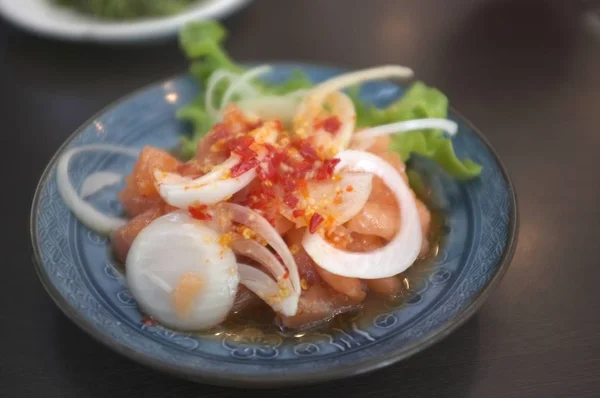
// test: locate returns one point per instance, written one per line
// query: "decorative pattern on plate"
(76, 268)
(252, 343)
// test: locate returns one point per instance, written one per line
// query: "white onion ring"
(213, 187)
(446, 125)
(312, 104)
(343, 108)
(267, 290)
(392, 259)
(215, 78)
(183, 192)
(320, 92)
(257, 252)
(85, 212)
(271, 107)
(261, 226)
(245, 78)
(321, 191)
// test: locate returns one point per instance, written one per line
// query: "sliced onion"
(392, 259)
(328, 92)
(270, 292)
(271, 107)
(242, 80)
(85, 212)
(261, 226)
(257, 252)
(446, 125)
(324, 193)
(341, 106)
(183, 192)
(215, 186)
(340, 82)
(173, 248)
(97, 181)
(213, 81)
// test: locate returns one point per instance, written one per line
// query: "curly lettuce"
(419, 102)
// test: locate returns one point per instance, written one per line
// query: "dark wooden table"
(527, 73)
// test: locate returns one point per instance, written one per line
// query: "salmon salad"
(291, 196)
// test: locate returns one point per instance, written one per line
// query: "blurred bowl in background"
(45, 18)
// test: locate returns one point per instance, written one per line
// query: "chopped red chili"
(241, 146)
(267, 172)
(220, 130)
(298, 213)
(290, 200)
(308, 151)
(314, 223)
(326, 170)
(332, 124)
(244, 166)
(199, 212)
(146, 320)
(288, 184)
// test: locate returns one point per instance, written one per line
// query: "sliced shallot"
(215, 186)
(392, 259)
(180, 274)
(211, 188)
(328, 93)
(341, 199)
(241, 81)
(446, 125)
(285, 303)
(261, 226)
(257, 252)
(85, 212)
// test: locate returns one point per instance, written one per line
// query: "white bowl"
(44, 18)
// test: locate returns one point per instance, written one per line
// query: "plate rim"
(129, 32)
(235, 380)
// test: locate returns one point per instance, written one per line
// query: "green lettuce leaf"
(420, 101)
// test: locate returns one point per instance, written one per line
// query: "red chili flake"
(199, 212)
(220, 130)
(349, 188)
(298, 213)
(288, 184)
(267, 172)
(308, 151)
(286, 275)
(271, 219)
(326, 170)
(332, 124)
(290, 199)
(300, 169)
(314, 223)
(253, 126)
(243, 166)
(146, 320)
(278, 125)
(241, 146)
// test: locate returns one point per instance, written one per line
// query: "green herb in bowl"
(127, 9)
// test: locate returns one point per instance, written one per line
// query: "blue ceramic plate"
(479, 235)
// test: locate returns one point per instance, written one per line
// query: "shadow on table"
(509, 46)
(97, 371)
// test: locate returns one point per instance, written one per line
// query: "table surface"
(525, 72)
